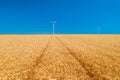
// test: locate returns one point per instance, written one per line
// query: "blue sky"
(72, 16)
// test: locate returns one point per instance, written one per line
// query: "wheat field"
(59, 57)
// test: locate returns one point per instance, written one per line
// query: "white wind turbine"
(53, 25)
(98, 29)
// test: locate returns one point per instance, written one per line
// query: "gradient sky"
(72, 16)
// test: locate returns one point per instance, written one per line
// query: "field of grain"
(60, 57)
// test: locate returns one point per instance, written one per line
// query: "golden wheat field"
(60, 57)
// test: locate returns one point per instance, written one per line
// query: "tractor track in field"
(31, 73)
(89, 73)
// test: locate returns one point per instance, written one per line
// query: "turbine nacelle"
(53, 22)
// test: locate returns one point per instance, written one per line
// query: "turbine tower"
(53, 24)
(98, 29)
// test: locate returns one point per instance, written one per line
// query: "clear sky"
(72, 16)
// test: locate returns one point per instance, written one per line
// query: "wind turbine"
(53, 25)
(98, 29)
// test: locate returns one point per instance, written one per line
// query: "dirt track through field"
(56, 62)
(31, 74)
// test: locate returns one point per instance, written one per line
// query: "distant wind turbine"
(98, 29)
(53, 25)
